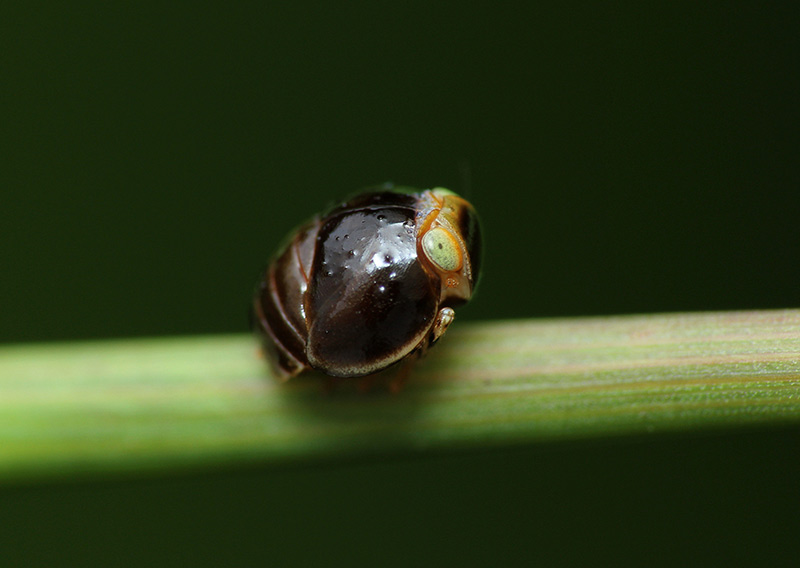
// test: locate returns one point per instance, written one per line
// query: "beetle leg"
(444, 318)
(365, 383)
(403, 372)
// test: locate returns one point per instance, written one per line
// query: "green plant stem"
(169, 403)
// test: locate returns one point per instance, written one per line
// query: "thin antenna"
(465, 173)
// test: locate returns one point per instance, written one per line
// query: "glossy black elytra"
(368, 283)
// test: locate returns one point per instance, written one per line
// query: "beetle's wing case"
(279, 306)
(369, 302)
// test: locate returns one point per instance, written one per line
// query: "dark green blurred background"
(624, 158)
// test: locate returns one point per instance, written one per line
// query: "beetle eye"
(442, 249)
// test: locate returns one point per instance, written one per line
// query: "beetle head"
(449, 242)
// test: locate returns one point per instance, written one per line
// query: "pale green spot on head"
(442, 249)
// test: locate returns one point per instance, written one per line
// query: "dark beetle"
(368, 283)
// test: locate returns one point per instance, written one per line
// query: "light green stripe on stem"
(160, 404)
